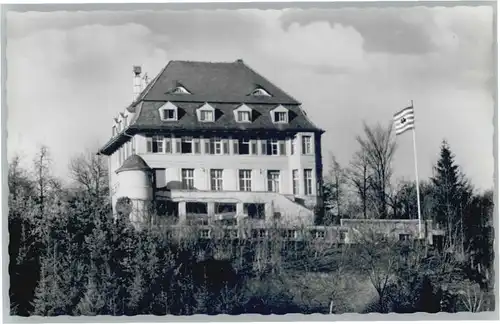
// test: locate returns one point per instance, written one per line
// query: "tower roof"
(134, 163)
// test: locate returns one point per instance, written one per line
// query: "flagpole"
(416, 179)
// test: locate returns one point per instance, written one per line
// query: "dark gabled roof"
(134, 163)
(212, 82)
(149, 117)
(225, 86)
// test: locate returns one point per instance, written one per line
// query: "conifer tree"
(449, 192)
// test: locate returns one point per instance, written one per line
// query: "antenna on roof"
(146, 79)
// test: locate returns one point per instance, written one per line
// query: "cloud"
(398, 30)
(340, 47)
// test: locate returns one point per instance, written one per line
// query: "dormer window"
(114, 130)
(243, 116)
(180, 90)
(279, 115)
(168, 112)
(206, 113)
(260, 92)
(124, 118)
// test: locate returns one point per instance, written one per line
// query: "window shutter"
(207, 146)
(235, 146)
(253, 146)
(168, 145)
(263, 146)
(149, 147)
(282, 147)
(177, 145)
(196, 143)
(225, 147)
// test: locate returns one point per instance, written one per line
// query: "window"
(216, 180)
(292, 152)
(225, 208)
(244, 147)
(168, 114)
(308, 182)
(273, 147)
(276, 147)
(273, 181)
(180, 90)
(260, 92)
(295, 175)
(342, 235)
(114, 131)
(280, 117)
(187, 145)
(188, 178)
(306, 145)
(318, 234)
(243, 116)
(155, 144)
(205, 233)
(197, 208)
(245, 180)
(214, 146)
(255, 211)
(290, 233)
(206, 115)
(125, 121)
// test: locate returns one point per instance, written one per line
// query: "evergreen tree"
(449, 193)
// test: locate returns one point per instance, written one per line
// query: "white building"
(210, 141)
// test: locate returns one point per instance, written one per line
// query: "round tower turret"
(135, 182)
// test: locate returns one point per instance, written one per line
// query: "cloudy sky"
(69, 73)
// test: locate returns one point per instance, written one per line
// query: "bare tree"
(335, 188)
(358, 175)
(378, 148)
(43, 179)
(90, 172)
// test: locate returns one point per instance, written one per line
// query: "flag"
(404, 120)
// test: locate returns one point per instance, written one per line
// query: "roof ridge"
(267, 80)
(206, 62)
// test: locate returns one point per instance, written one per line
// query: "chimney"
(239, 61)
(137, 81)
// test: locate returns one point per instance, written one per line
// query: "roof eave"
(107, 149)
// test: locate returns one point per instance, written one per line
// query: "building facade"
(207, 142)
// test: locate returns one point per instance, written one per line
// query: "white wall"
(231, 163)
